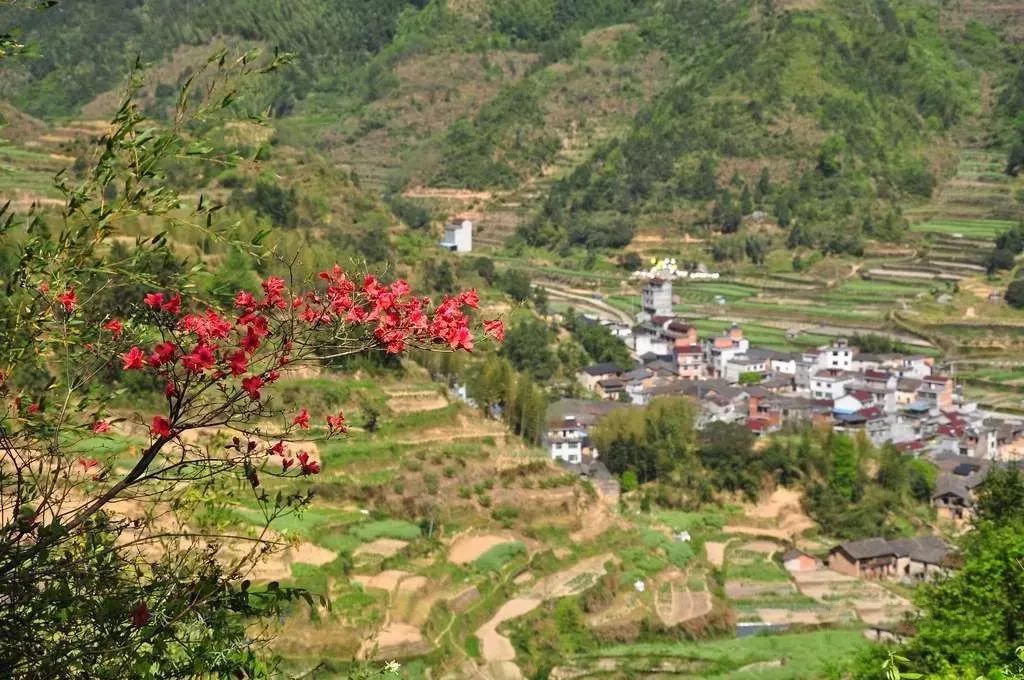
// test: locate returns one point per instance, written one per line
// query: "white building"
(458, 236)
(837, 356)
(656, 298)
(566, 440)
(830, 384)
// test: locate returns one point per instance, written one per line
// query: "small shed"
(795, 560)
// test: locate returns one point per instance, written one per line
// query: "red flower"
(470, 298)
(44, 288)
(132, 359)
(302, 420)
(252, 386)
(250, 341)
(172, 306)
(34, 408)
(400, 288)
(160, 427)
(274, 288)
(115, 327)
(460, 337)
(153, 300)
(276, 450)
(200, 359)
(238, 363)
(88, 463)
(68, 299)
(286, 463)
(101, 426)
(163, 353)
(170, 389)
(495, 329)
(337, 423)
(140, 615)
(244, 300)
(309, 467)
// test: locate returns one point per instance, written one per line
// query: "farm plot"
(986, 229)
(775, 657)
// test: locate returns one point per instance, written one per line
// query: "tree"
(746, 201)
(484, 267)
(726, 450)
(516, 283)
(631, 262)
(439, 276)
(764, 186)
(1001, 495)
(651, 441)
(1000, 259)
(144, 594)
(973, 620)
(1015, 294)
(528, 346)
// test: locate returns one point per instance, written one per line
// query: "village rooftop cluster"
(899, 399)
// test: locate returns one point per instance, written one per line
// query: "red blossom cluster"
(241, 355)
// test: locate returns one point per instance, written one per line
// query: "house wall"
(801, 563)
(838, 561)
(570, 452)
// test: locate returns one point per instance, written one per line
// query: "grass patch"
(807, 655)
(385, 528)
(500, 555)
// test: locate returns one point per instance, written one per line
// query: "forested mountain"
(592, 118)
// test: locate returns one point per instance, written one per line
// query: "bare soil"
(715, 553)
(466, 549)
(395, 641)
(383, 547)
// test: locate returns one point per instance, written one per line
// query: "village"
(905, 400)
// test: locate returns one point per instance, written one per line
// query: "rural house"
(458, 236)
(797, 560)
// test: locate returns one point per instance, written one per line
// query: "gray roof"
(585, 411)
(606, 368)
(866, 548)
(954, 485)
(637, 374)
(908, 384)
(927, 549)
(794, 553)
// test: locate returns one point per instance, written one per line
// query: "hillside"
(581, 123)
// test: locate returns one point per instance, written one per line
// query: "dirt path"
(780, 534)
(598, 517)
(604, 310)
(495, 647)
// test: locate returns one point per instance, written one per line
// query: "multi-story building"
(721, 348)
(656, 299)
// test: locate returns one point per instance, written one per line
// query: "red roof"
(862, 395)
(876, 375)
(758, 424)
(690, 349)
(936, 379)
(951, 430)
(915, 445)
(871, 413)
